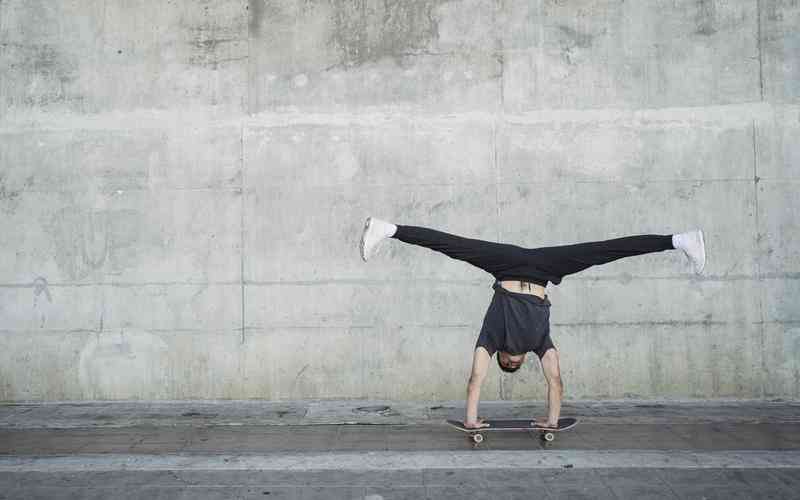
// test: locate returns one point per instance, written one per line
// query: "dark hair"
(507, 370)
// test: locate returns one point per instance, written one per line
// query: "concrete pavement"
(379, 449)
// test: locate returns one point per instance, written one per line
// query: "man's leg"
(570, 259)
(487, 255)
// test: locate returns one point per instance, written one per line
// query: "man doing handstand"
(518, 318)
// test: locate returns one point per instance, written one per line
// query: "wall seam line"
(241, 230)
(758, 259)
(760, 52)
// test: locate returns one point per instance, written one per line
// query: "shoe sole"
(367, 224)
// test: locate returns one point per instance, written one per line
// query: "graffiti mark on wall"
(40, 292)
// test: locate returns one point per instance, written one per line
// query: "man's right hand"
(480, 365)
(478, 424)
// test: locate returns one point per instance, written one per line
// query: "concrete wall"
(183, 185)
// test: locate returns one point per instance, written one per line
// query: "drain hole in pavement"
(374, 409)
(198, 414)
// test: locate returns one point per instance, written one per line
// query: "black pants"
(539, 265)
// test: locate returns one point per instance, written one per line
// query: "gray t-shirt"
(516, 323)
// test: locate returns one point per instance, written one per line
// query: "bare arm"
(555, 387)
(480, 366)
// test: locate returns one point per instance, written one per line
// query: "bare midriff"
(523, 287)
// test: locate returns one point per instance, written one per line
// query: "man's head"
(510, 362)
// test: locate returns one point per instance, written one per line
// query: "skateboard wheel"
(548, 436)
(477, 438)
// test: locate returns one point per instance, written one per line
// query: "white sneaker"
(375, 231)
(693, 246)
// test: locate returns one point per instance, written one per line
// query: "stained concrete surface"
(221, 450)
(182, 191)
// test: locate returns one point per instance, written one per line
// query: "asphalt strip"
(390, 460)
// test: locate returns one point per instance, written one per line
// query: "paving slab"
(647, 483)
(435, 483)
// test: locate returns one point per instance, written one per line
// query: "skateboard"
(545, 433)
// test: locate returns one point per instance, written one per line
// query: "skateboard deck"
(497, 425)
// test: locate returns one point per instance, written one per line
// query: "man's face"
(511, 361)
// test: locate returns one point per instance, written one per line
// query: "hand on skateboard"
(542, 423)
(478, 424)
